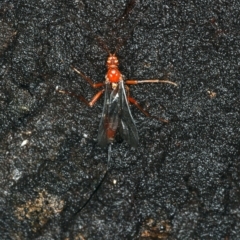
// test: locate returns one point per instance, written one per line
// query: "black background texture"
(182, 182)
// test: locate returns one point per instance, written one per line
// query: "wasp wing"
(127, 127)
(116, 114)
(110, 116)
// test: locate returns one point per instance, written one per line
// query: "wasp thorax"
(113, 75)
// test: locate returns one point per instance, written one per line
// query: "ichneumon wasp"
(116, 115)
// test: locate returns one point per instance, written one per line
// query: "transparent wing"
(127, 127)
(116, 114)
(110, 116)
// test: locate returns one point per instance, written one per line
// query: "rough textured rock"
(182, 182)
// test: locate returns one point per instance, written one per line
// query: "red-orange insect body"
(116, 113)
(113, 74)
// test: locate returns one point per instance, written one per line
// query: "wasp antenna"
(122, 41)
(120, 44)
(95, 36)
(131, 4)
(103, 44)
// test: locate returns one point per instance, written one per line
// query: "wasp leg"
(146, 113)
(93, 85)
(88, 103)
(135, 102)
(133, 82)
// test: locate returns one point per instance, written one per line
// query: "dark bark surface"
(182, 182)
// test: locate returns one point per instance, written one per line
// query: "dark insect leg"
(133, 82)
(94, 85)
(146, 113)
(88, 103)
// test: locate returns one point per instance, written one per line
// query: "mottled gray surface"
(183, 181)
